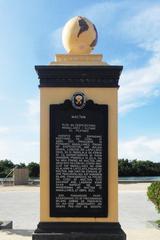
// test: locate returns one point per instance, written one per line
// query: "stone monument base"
(78, 231)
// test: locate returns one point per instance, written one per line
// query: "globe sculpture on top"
(79, 36)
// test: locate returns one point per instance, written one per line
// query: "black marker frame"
(55, 109)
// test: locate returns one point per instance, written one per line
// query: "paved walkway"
(21, 204)
(136, 213)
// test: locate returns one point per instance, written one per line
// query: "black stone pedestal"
(78, 231)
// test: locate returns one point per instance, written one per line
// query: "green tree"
(33, 169)
(138, 168)
(125, 168)
(21, 165)
(5, 167)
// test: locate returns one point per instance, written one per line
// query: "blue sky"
(128, 35)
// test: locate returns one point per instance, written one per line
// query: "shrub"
(153, 194)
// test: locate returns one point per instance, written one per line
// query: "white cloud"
(142, 148)
(33, 106)
(143, 28)
(22, 142)
(33, 113)
(4, 130)
(100, 13)
(19, 151)
(126, 107)
(138, 86)
(56, 40)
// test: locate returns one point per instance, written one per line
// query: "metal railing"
(8, 180)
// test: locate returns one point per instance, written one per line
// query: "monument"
(20, 176)
(78, 141)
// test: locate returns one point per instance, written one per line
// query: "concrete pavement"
(21, 204)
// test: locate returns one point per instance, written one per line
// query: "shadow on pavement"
(22, 232)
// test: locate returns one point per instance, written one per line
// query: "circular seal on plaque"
(78, 100)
